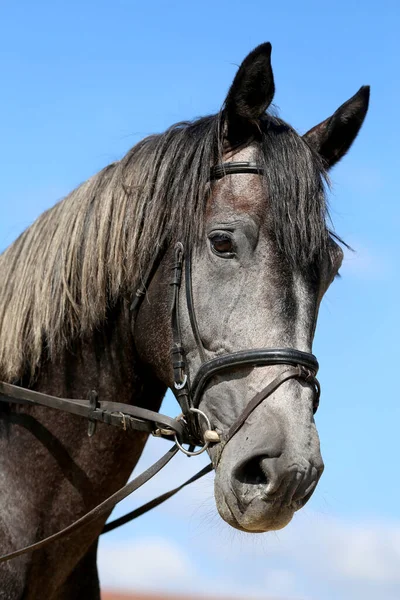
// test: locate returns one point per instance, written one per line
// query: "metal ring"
(179, 246)
(181, 385)
(203, 448)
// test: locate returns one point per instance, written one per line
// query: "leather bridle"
(299, 365)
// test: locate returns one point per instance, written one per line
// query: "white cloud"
(157, 564)
(365, 552)
(147, 563)
(360, 560)
(315, 558)
(281, 583)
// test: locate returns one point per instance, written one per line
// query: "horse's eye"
(222, 244)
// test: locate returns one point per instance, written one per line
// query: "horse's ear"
(250, 94)
(334, 136)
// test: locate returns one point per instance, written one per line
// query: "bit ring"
(203, 448)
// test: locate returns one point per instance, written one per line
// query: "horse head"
(260, 258)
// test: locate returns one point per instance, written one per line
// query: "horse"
(260, 255)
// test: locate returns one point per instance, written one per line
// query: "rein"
(193, 427)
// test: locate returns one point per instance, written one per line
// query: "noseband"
(299, 365)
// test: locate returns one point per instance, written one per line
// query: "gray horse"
(262, 258)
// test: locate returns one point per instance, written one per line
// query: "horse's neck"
(54, 469)
(105, 362)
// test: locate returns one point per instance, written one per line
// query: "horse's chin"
(259, 516)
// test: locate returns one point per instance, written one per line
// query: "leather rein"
(192, 427)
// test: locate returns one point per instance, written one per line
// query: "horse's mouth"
(260, 515)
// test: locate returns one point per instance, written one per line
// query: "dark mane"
(295, 185)
(61, 276)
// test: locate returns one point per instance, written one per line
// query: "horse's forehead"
(239, 192)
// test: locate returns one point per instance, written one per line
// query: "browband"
(219, 171)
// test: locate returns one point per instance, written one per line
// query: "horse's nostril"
(251, 472)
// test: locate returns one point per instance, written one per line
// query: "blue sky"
(84, 81)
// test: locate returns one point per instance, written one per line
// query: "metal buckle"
(180, 385)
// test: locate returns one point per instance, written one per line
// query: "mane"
(60, 278)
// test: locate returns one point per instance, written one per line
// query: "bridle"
(187, 428)
(300, 365)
